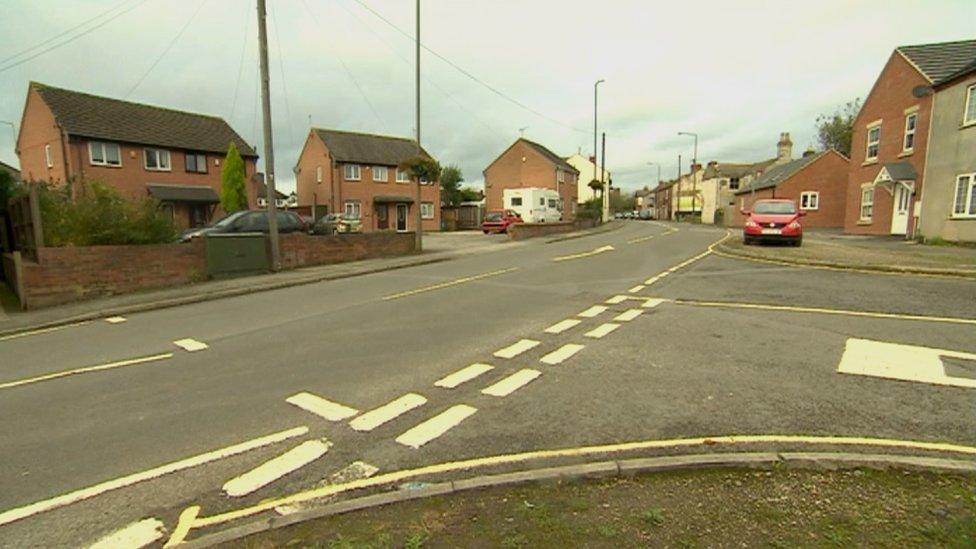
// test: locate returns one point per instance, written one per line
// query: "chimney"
(593, 160)
(695, 167)
(784, 149)
(809, 152)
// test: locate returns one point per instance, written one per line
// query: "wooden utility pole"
(419, 232)
(269, 177)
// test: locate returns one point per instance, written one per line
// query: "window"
(157, 160)
(542, 201)
(351, 172)
(423, 181)
(402, 176)
(104, 154)
(809, 200)
(427, 210)
(352, 207)
(910, 122)
(516, 201)
(874, 139)
(867, 202)
(969, 116)
(318, 174)
(552, 202)
(560, 176)
(733, 183)
(965, 202)
(379, 174)
(47, 156)
(196, 162)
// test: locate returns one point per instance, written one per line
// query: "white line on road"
(617, 299)
(391, 410)
(133, 536)
(463, 375)
(602, 330)
(516, 348)
(447, 284)
(561, 353)
(562, 326)
(190, 345)
(818, 310)
(637, 288)
(115, 319)
(628, 315)
(277, 467)
(436, 426)
(321, 407)
(593, 311)
(655, 278)
(87, 369)
(19, 513)
(512, 383)
(599, 250)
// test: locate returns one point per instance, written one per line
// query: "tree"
(834, 130)
(469, 194)
(233, 193)
(7, 189)
(451, 178)
(422, 167)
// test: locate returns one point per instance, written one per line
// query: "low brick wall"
(521, 231)
(302, 250)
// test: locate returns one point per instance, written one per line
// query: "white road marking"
(617, 299)
(436, 426)
(448, 284)
(115, 319)
(321, 407)
(463, 375)
(903, 362)
(593, 311)
(599, 250)
(602, 330)
(136, 535)
(516, 348)
(637, 288)
(277, 467)
(655, 278)
(512, 383)
(818, 310)
(190, 345)
(561, 353)
(378, 416)
(628, 315)
(357, 470)
(87, 369)
(562, 326)
(652, 302)
(19, 513)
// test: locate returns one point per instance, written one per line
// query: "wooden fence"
(25, 221)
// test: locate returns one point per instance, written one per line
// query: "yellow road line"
(505, 459)
(183, 526)
(599, 250)
(642, 239)
(447, 284)
(85, 370)
(42, 331)
(819, 310)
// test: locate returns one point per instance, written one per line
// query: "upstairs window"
(733, 183)
(809, 200)
(402, 176)
(47, 156)
(380, 174)
(969, 117)
(196, 163)
(560, 176)
(318, 174)
(351, 172)
(874, 141)
(104, 154)
(157, 160)
(911, 121)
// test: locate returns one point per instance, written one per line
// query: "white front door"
(899, 212)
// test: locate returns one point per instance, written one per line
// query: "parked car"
(773, 220)
(498, 221)
(248, 221)
(618, 215)
(337, 223)
(646, 214)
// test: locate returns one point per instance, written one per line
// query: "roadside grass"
(775, 508)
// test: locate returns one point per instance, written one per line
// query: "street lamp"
(595, 152)
(694, 160)
(694, 172)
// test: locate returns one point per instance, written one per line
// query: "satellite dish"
(921, 91)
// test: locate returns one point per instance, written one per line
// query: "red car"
(773, 221)
(498, 221)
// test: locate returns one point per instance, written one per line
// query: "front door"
(899, 212)
(401, 220)
(381, 220)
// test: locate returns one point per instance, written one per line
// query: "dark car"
(248, 221)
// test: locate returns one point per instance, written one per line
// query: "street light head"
(600, 81)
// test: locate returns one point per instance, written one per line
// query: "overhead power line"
(168, 47)
(463, 71)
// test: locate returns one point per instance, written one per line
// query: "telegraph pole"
(595, 90)
(606, 185)
(269, 179)
(419, 233)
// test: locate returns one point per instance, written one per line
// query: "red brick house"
(662, 200)
(529, 164)
(890, 138)
(68, 137)
(817, 182)
(357, 174)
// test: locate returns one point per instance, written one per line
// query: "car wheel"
(746, 240)
(798, 242)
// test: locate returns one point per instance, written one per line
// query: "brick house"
(68, 138)
(662, 200)
(357, 174)
(817, 182)
(890, 138)
(528, 164)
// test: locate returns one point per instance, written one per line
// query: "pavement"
(633, 342)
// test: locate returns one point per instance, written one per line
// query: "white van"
(534, 204)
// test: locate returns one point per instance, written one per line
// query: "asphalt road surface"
(628, 335)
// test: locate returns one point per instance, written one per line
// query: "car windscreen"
(494, 216)
(774, 208)
(230, 219)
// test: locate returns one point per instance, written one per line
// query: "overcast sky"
(737, 73)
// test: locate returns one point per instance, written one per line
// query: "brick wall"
(38, 130)
(302, 250)
(521, 231)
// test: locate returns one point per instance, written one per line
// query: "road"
(633, 334)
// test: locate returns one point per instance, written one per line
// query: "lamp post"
(595, 152)
(694, 171)
(419, 230)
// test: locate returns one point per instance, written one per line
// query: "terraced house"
(69, 137)
(358, 174)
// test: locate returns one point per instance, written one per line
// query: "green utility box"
(237, 254)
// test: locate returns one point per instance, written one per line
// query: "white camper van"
(534, 204)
